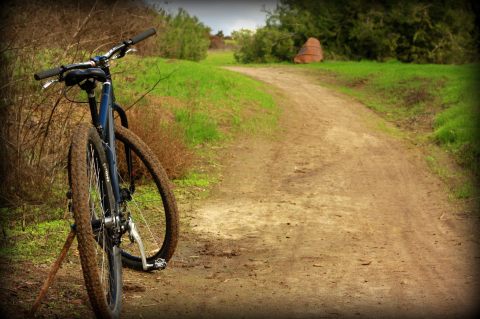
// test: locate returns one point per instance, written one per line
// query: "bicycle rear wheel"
(93, 204)
(151, 206)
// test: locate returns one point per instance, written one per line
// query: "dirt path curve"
(334, 218)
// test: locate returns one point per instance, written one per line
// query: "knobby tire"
(86, 157)
(167, 234)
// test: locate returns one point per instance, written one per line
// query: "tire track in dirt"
(332, 218)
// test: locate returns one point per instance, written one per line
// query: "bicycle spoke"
(145, 222)
(97, 211)
(136, 210)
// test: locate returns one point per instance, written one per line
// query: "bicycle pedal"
(159, 263)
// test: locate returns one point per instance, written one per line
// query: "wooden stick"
(53, 272)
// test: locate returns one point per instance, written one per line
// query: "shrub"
(36, 125)
(267, 44)
(409, 31)
(185, 37)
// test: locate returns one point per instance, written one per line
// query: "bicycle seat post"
(89, 87)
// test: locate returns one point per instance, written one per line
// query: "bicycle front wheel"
(93, 205)
(151, 204)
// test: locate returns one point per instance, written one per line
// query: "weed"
(196, 179)
(196, 184)
(417, 95)
(464, 191)
(438, 169)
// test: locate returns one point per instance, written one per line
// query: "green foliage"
(426, 33)
(245, 51)
(409, 31)
(371, 37)
(266, 45)
(185, 37)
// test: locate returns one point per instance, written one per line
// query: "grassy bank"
(436, 104)
(210, 104)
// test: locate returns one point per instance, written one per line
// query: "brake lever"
(123, 53)
(48, 83)
(131, 50)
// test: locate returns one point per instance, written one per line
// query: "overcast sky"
(222, 15)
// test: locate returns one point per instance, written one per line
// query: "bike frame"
(108, 135)
(103, 121)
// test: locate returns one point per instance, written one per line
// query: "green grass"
(210, 103)
(196, 180)
(435, 100)
(465, 190)
(199, 126)
(219, 58)
(38, 243)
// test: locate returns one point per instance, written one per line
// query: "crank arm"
(159, 263)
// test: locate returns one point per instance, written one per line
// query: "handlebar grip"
(47, 73)
(142, 36)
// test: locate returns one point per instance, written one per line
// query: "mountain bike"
(117, 187)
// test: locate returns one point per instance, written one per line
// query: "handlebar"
(57, 71)
(142, 36)
(47, 73)
(122, 47)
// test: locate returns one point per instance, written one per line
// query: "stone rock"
(310, 52)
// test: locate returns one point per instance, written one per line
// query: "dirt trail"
(333, 218)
